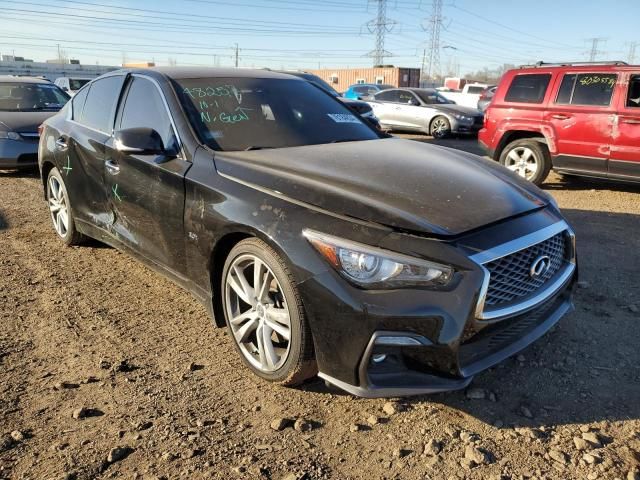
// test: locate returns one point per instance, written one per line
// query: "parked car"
(24, 104)
(361, 108)
(468, 96)
(485, 97)
(364, 91)
(71, 84)
(424, 110)
(579, 119)
(391, 267)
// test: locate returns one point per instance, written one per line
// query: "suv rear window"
(528, 88)
(586, 89)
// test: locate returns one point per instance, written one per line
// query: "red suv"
(580, 119)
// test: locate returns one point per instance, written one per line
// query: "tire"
(259, 328)
(440, 127)
(60, 209)
(527, 158)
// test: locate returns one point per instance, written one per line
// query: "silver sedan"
(424, 110)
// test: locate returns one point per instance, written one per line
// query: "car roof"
(178, 73)
(17, 79)
(577, 67)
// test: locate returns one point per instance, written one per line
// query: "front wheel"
(528, 158)
(440, 127)
(265, 316)
(60, 209)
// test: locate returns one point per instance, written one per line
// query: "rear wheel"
(528, 158)
(60, 209)
(265, 316)
(440, 127)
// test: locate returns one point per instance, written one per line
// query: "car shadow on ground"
(575, 183)
(21, 173)
(3, 222)
(586, 369)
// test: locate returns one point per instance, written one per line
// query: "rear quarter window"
(528, 88)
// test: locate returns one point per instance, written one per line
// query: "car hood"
(402, 184)
(23, 121)
(452, 108)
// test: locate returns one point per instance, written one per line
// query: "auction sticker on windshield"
(343, 118)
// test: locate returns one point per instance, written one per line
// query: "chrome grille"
(510, 278)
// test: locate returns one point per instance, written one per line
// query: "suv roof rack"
(570, 64)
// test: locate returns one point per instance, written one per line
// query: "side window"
(388, 96)
(633, 96)
(587, 89)
(528, 88)
(77, 104)
(363, 90)
(144, 107)
(406, 97)
(100, 103)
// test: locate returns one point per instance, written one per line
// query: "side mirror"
(65, 89)
(140, 141)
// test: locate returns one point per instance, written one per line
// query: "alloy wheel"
(523, 161)
(439, 128)
(257, 313)
(58, 206)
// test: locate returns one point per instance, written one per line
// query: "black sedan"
(388, 267)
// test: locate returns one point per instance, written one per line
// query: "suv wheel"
(265, 316)
(528, 158)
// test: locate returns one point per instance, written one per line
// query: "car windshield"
(77, 83)
(26, 97)
(432, 97)
(235, 114)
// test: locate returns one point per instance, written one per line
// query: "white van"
(71, 84)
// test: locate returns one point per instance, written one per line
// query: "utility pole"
(631, 58)
(594, 52)
(380, 26)
(237, 52)
(59, 55)
(432, 53)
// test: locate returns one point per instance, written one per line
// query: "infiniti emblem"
(540, 266)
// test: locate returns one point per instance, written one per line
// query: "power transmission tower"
(631, 58)
(380, 25)
(594, 52)
(431, 61)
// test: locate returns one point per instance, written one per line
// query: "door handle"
(112, 167)
(632, 121)
(560, 116)
(61, 144)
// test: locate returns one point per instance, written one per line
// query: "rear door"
(582, 115)
(81, 149)
(625, 149)
(386, 106)
(146, 192)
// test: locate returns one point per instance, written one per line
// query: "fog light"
(378, 358)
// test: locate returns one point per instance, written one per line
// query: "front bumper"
(412, 342)
(18, 153)
(466, 127)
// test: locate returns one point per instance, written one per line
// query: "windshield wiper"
(255, 147)
(347, 140)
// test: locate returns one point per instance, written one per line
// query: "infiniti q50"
(385, 266)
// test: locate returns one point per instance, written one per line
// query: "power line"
(380, 25)
(431, 59)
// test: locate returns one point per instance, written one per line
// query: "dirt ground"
(107, 370)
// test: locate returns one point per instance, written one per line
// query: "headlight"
(374, 268)
(10, 135)
(464, 118)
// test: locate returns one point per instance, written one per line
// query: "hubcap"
(439, 128)
(523, 161)
(257, 313)
(58, 206)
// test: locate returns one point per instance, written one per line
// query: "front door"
(625, 149)
(582, 116)
(146, 192)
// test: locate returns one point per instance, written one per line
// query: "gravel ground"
(107, 370)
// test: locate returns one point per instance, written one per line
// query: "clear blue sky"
(309, 33)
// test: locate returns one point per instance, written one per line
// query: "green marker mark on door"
(114, 189)
(67, 168)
